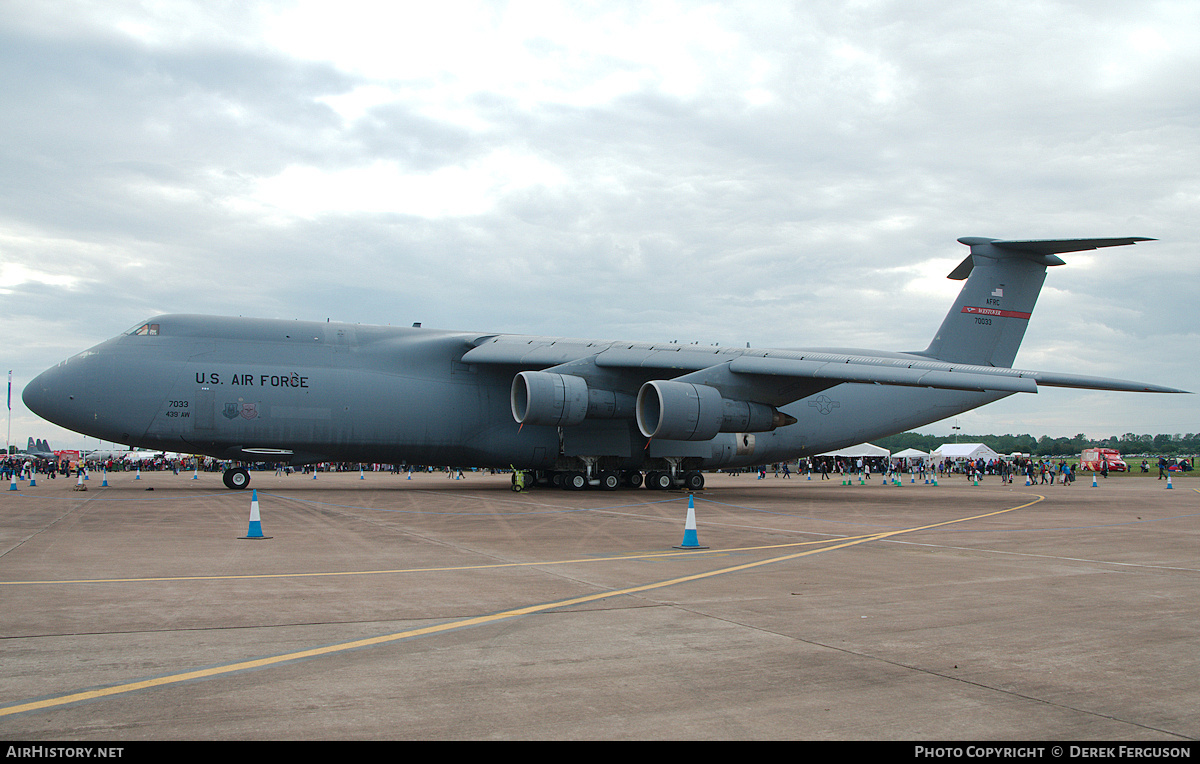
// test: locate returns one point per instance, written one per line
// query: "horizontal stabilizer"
(1042, 251)
(1058, 246)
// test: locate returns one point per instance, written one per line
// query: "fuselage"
(293, 391)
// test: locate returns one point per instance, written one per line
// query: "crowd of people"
(1037, 471)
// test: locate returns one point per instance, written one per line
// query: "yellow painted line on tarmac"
(444, 569)
(499, 565)
(358, 644)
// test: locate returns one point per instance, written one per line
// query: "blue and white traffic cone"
(138, 476)
(690, 539)
(1094, 483)
(255, 530)
(361, 476)
(1168, 480)
(104, 482)
(12, 481)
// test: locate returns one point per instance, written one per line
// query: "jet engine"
(684, 411)
(541, 397)
(561, 400)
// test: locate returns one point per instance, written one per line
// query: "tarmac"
(428, 608)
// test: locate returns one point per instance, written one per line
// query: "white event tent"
(862, 449)
(960, 451)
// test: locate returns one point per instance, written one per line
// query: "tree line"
(1129, 443)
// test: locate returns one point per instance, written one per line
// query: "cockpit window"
(143, 330)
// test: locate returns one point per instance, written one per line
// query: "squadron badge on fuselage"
(244, 410)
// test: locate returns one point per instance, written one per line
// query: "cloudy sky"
(784, 174)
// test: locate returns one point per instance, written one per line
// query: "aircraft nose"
(45, 396)
(81, 393)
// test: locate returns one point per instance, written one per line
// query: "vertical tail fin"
(989, 318)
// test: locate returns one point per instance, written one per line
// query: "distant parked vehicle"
(1094, 458)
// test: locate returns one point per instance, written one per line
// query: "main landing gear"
(655, 480)
(236, 478)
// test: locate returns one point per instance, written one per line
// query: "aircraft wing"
(774, 377)
(943, 376)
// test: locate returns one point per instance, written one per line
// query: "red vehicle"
(1094, 458)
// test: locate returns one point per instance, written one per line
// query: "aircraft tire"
(236, 478)
(575, 481)
(633, 479)
(659, 481)
(693, 481)
(610, 481)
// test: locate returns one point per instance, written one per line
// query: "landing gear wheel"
(659, 481)
(575, 481)
(610, 481)
(633, 479)
(693, 481)
(236, 478)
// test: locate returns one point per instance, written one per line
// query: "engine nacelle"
(683, 411)
(679, 410)
(541, 397)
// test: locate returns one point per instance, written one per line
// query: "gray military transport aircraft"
(572, 412)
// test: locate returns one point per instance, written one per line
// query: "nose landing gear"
(236, 478)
